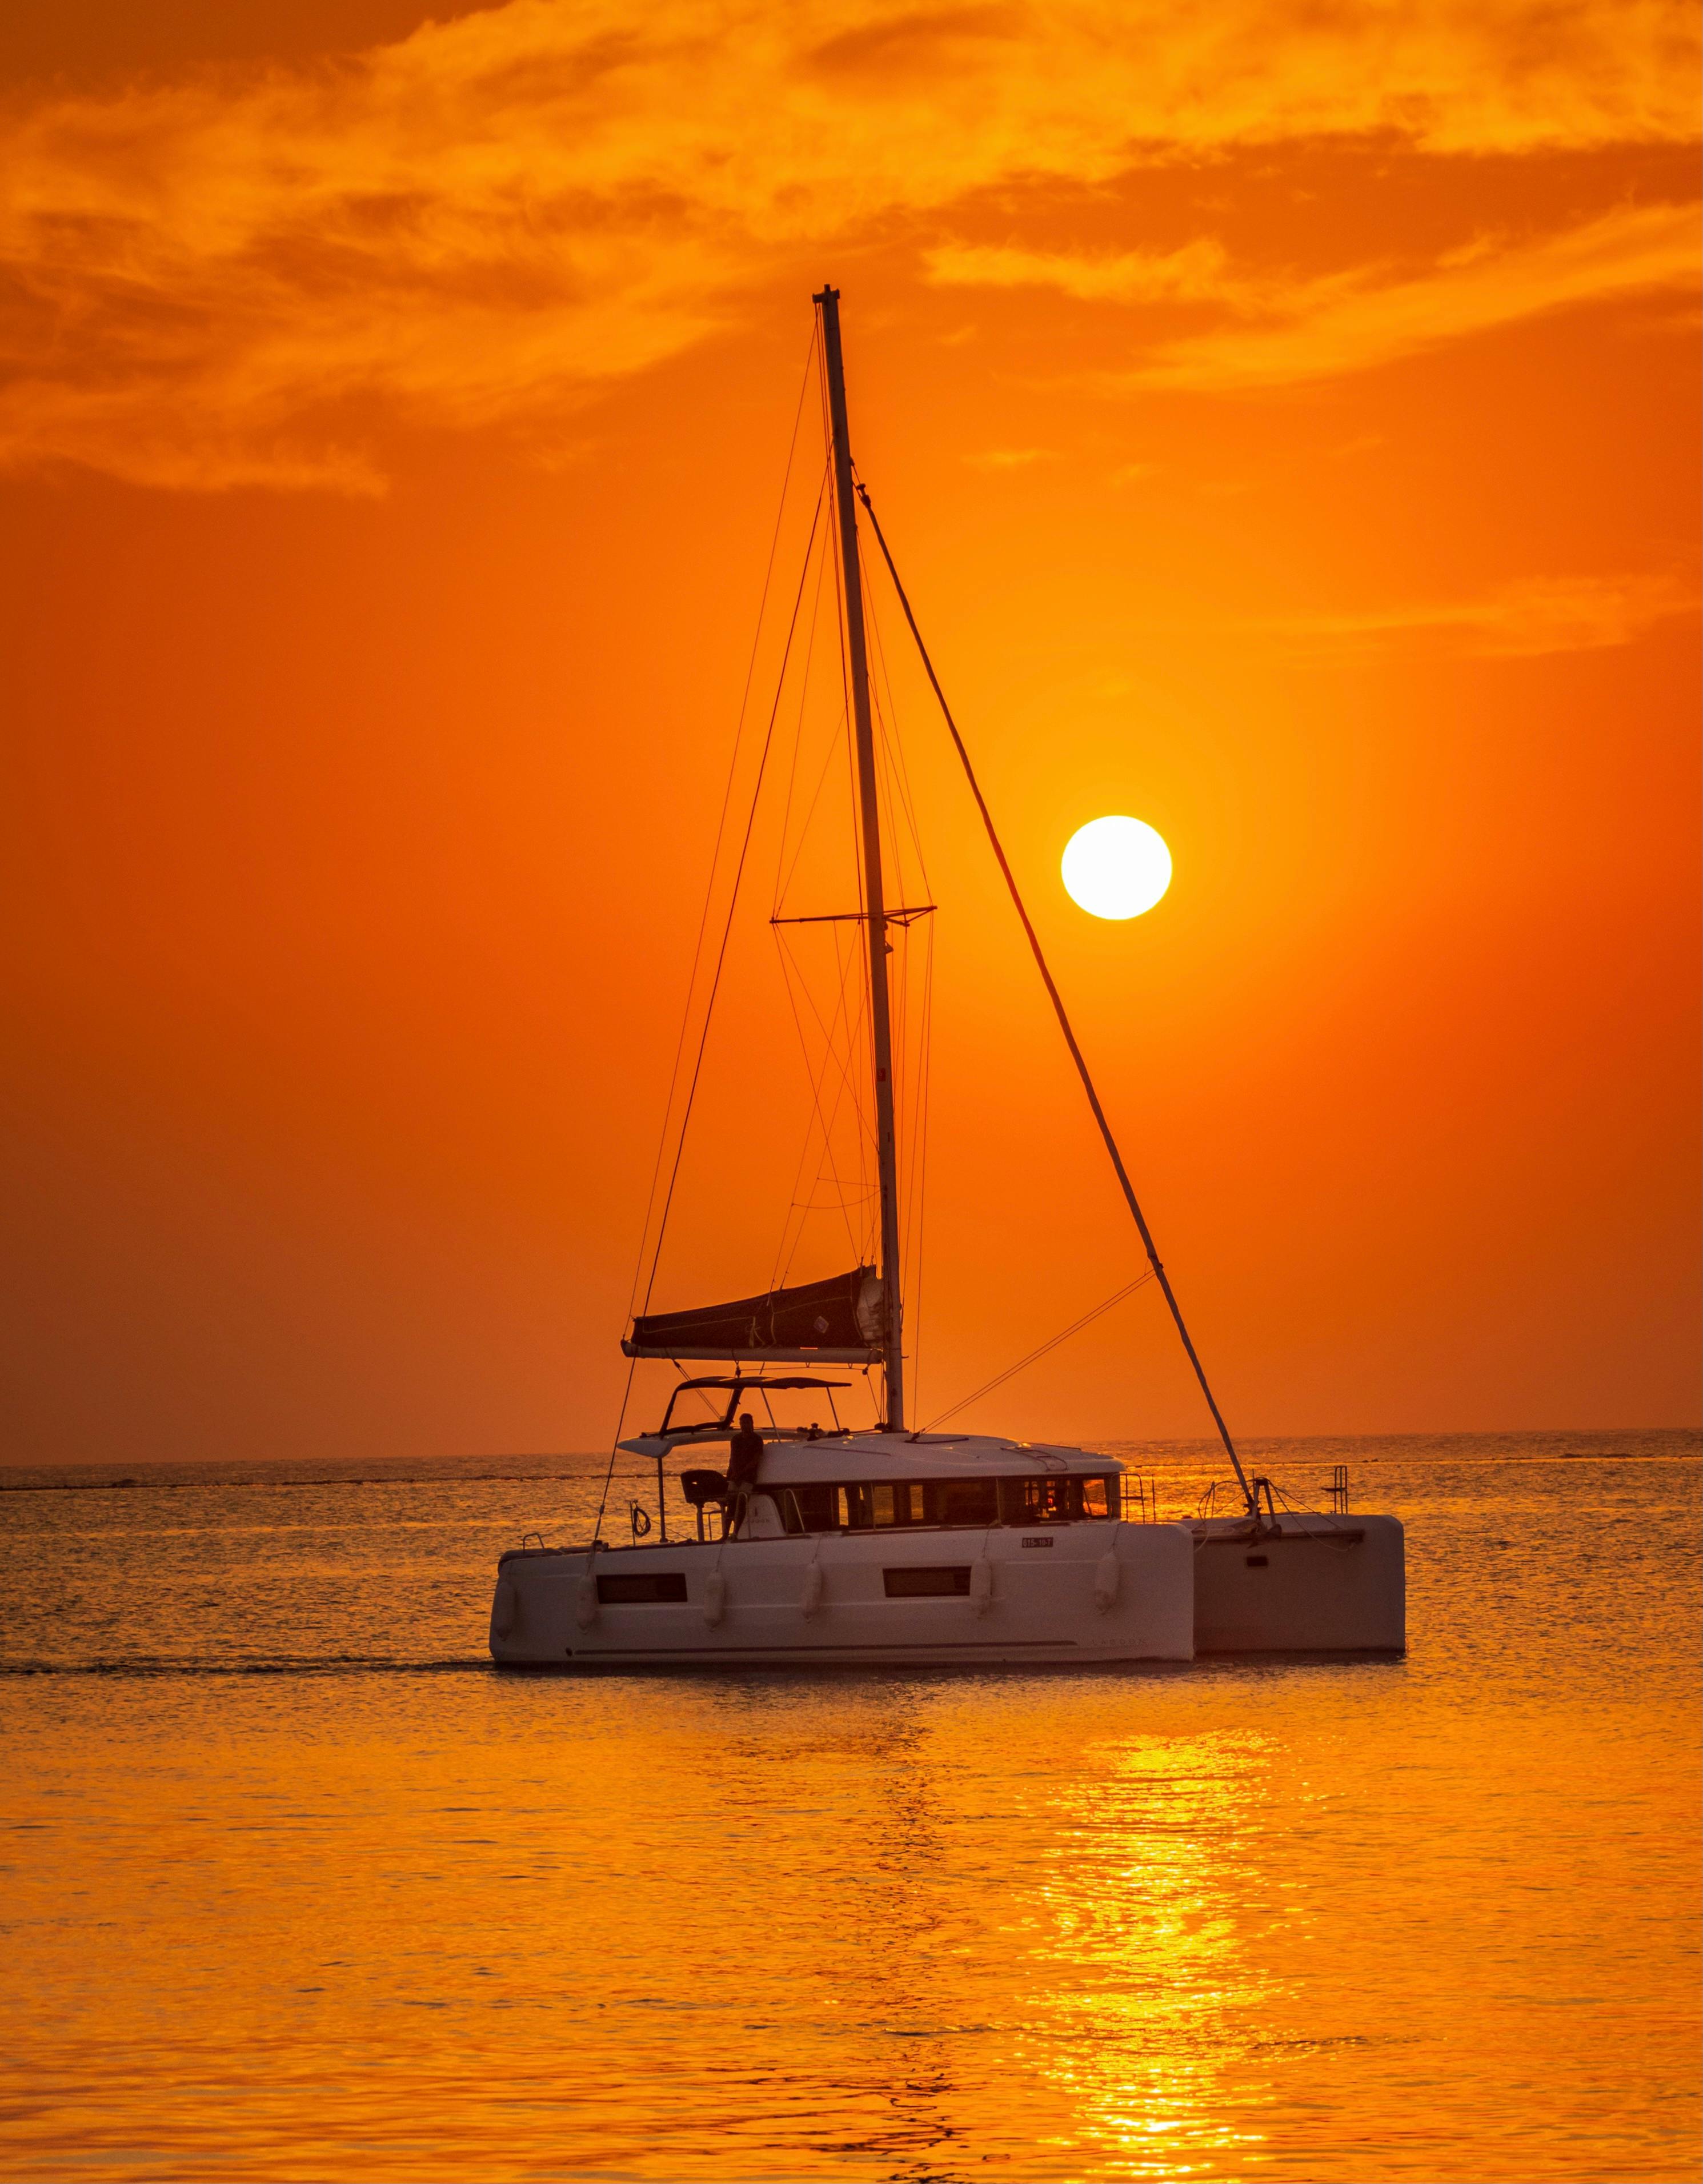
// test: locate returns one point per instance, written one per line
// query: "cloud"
(1540, 614)
(1285, 331)
(1008, 459)
(221, 279)
(1350, 323)
(1198, 272)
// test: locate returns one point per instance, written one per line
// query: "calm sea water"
(297, 1886)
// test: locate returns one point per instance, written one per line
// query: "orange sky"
(1287, 421)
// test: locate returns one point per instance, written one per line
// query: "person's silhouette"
(744, 1456)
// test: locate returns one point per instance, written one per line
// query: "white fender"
(982, 1584)
(813, 1586)
(714, 1596)
(1106, 1576)
(503, 1609)
(585, 1607)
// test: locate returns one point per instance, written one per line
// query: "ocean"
(296, 1885)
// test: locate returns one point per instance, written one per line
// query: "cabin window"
(926, 1584)
(883, 1504)
(1057, 1499)
(818, 1508)
(1099, 1496)
(652, 1586)
(964, 1501)
(1035, 1501)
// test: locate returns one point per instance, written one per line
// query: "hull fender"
(1106, 1577)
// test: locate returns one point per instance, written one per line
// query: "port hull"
(1069, 1593)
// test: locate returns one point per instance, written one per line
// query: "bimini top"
(793, 1459)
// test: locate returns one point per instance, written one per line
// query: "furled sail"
(837, 1321)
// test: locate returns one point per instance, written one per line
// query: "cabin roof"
(789, 1460)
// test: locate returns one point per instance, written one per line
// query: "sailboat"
(827, 1545)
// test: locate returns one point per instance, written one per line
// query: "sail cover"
(836, 1321)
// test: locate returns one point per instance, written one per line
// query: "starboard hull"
(1306, 1584)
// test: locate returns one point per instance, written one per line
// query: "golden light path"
(1116, 868)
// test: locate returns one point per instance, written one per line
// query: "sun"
(1116, 868)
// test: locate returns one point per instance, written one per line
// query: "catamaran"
(827, 1543)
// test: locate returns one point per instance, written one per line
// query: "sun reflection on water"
(1152, 1993)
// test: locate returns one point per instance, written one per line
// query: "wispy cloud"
(1320, 329)
(1198, 272)
(1540, 615)
(1283, 330)
(203, 283)
(1007, 458)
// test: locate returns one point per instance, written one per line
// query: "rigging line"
(890, 727)
(732, 906)
(917, 1204)
(854, 976)
(782, 1252)
(898, 804)
(793, 969)
(1302, 1515)
(832, 754)
(849, 1192)
(1057, 1000)
(851, 966)
(784, 881)
(847, 1076)
(782, 872)
(845, 961)
(614, 1449)
(1011, 1372)
(783, 1256)
(721, 822)
(866, 1134)
(892, 790)
(846, 709)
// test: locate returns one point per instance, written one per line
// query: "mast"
(874, 901)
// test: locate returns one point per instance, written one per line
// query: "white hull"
(1075, 1593)
(1307, 1583)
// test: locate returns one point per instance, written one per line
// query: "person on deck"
(744, 1456)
